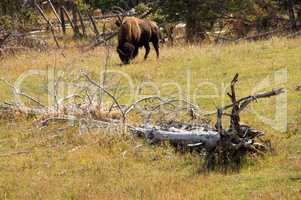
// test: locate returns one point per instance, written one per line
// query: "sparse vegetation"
(58, 162)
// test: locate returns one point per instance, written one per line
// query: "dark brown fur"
(135, 33)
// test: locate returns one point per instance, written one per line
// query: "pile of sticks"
(224, 148)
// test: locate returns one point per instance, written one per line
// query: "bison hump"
(130, 30)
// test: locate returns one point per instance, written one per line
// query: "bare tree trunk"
(49, 24)
(81, 22)
(291, 14)
(75, 21)
(68, 18)
(63, 19)
(299, 16)
(194, 30)
(54, 11)
(93, 24)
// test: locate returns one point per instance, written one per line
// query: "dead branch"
(68, 18)
(134, 105)
(107, 92)
(17, 92)
(190, 107)
(245, 101)
(71, 96)
(105, 69)
(15, 153)
(75, 120)
(235, 119)
(81, 22)
(225, 148)
(93, 24)
(101, 39)
(262, 35)
(49, 23)
(54, 11)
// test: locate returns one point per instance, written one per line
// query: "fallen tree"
(225, 148)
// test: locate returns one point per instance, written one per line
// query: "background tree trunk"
(75, 21)
(291, 14)
(62, 19)
(194, 31)
(299, 16)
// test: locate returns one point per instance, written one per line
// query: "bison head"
(125, 52)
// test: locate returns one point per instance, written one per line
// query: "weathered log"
(200, 135)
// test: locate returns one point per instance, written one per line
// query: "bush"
(14, 15)
(6, 23)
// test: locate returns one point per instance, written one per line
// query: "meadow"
(58, 162)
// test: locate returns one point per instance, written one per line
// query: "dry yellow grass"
(59, 163)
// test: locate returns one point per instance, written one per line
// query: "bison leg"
(136, 51)
(147, 49)
(156, 46)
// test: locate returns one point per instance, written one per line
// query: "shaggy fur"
(135, 33)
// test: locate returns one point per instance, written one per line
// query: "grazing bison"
(135, 33)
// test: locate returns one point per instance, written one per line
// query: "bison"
(135, 33)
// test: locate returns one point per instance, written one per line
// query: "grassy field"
(59, 163)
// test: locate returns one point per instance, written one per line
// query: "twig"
(131, 107)
(74, 119)
(115, 93)
(243, 102)
(17, 92)
(15, 153)
(105, 68)
(71, 96)
(107, 92)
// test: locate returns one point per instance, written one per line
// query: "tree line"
(237, 17)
